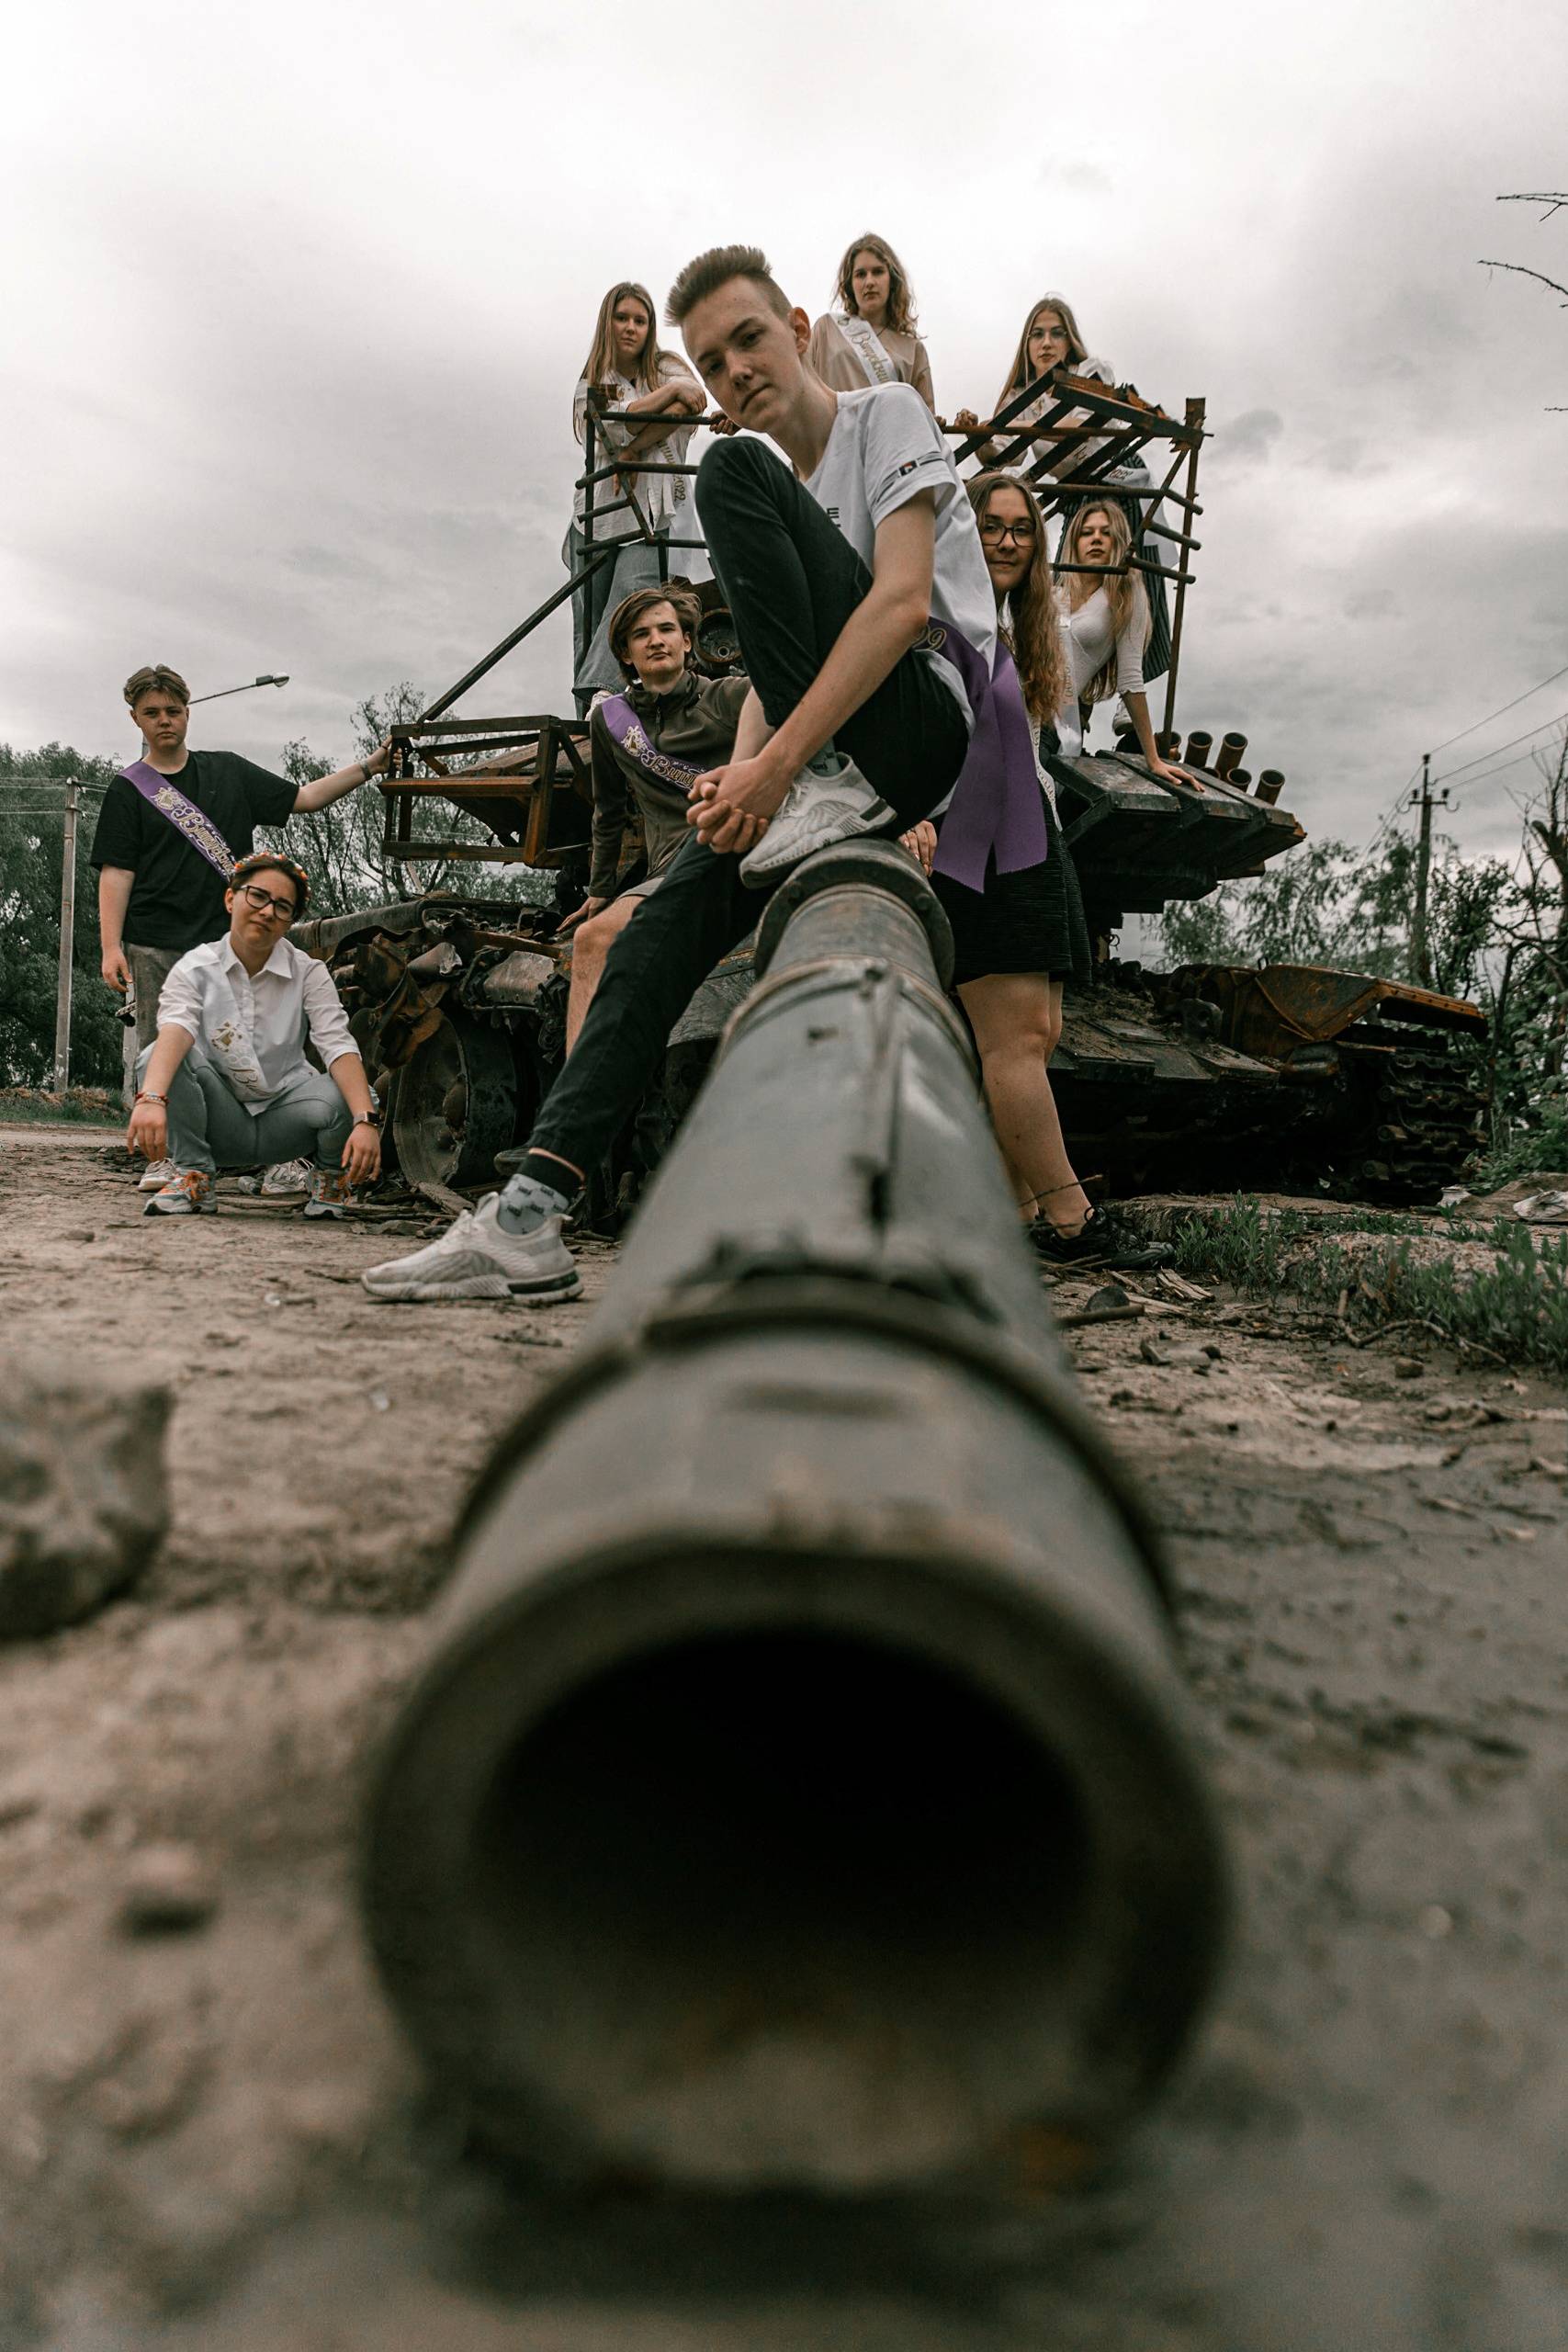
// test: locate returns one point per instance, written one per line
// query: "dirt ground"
(214, 2139)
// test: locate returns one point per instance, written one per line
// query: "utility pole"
(67, 943)
(1420, 950)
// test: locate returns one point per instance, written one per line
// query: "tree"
(32, 827)
(1554, 199)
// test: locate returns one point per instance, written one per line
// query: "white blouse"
(661, 496)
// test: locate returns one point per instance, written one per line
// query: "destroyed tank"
(1211, 1076)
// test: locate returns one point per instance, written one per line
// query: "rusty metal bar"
(1195, 413)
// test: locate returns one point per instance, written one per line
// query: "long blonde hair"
(900, 318)
(1018, 374)
(1038, 654)
(1125, 591)
(602, 360)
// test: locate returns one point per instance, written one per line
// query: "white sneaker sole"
(543, 1290)
(792, 838)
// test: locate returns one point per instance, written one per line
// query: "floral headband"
(261, 861)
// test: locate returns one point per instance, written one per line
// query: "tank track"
(1422, 1115)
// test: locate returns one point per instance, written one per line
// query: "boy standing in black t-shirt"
(158, 894)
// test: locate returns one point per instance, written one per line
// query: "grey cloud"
(1250, 439)
(1082, 177)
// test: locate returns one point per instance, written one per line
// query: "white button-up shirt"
(256, 1029)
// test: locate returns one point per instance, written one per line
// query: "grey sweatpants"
(150, 967)
(209, 1128)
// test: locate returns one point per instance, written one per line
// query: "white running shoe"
(161, 1172)
(825, 804)
(285, 1179)
(477, 1258)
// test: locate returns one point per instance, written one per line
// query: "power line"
(1498, 714)
(1482, 757)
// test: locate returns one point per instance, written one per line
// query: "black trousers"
(792, 579)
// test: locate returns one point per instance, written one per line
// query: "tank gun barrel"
(799, 1791)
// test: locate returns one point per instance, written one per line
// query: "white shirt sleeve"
(329, 1031)
(179, 1000)
(902, 453)
(1130, 645)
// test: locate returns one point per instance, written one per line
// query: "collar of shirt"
(659, 708)
(280, 961)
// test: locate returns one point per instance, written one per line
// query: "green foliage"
(32, 824)
(1517, 1308)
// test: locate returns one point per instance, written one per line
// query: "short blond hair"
(154, 677)
(715, 268)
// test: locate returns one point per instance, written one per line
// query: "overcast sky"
(296, 296)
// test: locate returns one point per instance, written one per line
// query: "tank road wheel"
(456, 1103)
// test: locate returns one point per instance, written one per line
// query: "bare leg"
(1017, 1019)
(591, 944)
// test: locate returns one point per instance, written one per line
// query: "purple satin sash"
(161, 792)
(998, 807)
(631, 736)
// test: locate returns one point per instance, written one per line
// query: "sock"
(533, 1195)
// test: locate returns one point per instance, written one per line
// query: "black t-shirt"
(176, 900)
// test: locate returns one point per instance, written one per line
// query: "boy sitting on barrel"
(867, 623)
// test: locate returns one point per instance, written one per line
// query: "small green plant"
(1515, 1308)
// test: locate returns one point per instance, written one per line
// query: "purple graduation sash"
(630, 735)
(162, 793)
(998, 807)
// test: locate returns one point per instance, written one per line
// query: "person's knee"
(726, 462)
(594, 939)
(1053, 1029)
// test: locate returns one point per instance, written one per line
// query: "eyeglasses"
(266, 904)
(993, 533)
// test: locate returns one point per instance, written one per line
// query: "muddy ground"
(213, 2139)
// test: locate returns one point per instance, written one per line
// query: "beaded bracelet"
(155, 1098)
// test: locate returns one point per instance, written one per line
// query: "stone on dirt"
(166, 1890)
(84, 1493)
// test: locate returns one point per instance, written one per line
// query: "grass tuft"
(1515, 1308)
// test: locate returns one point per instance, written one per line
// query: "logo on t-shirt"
(907, 470)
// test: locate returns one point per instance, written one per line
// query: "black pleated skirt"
(1029, 921)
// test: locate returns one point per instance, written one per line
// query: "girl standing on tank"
(1019, 938)
(1106, 625)
(1052, 338)
(627, 369)
(871, 336)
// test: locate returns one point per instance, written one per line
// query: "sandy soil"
(214, 2139)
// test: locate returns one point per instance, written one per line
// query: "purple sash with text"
(997, 807)
(632, 737)
(162, 793)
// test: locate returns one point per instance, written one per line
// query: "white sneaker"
(475, 1258)
(821, 807)
(286, 1178)
(161, 1172)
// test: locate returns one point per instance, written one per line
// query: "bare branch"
(1519, 267)
(1552, 199)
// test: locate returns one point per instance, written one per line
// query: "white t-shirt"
(884, 449)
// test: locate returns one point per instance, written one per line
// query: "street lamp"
(245, 689)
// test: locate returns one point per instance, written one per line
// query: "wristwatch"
(367, 1119)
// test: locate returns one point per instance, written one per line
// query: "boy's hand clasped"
(733, 805)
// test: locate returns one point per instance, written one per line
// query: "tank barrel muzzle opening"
(813, 1803)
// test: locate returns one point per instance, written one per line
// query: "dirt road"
(213, 2140)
